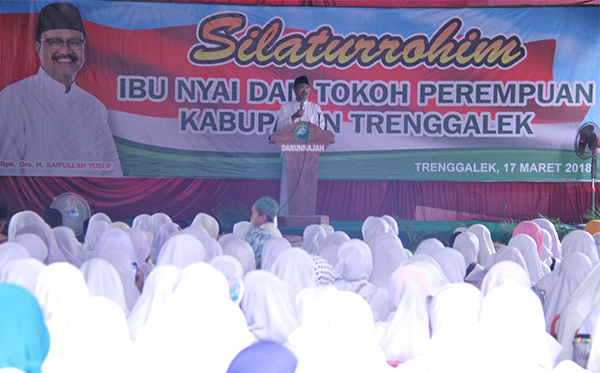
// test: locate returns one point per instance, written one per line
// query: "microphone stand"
(594, 168)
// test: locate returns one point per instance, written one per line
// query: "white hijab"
(22, 272)
(228, 265)
(528, 248)
(157, 289)
(115, 239)
(68, 244)
(267, 306)
(486, 246)
(312, 244)
(207, 222)
(242, 251)
(93, 233)
(271, 250)
(429, 247)
(452, 263)
(580, 241)
(313, 229)
(573, 269)
(12, 251)
(34, 244)
(374, 226)
(392, 223)
(100, 216)
(240, 228)
(503, 272)
(513, 334)
(467, 244)
(345, 340)
(406, 334)
(139, 244)
(294, 267)
(20, 219)
(143, 222)
(180, 251)
(546, 254)
(96, 340)
(123, 265)
(196, 231)
(227, 238)
(387, 254)
(334, 239)
(212, 248)
(556, 246)
(512, 254)
(158, 220)
(577, 308)
(43, 231)
(200, 326)
(353, 262)
(160, 237)
(103, 280)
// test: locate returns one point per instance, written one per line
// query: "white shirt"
(39, 122)
(312, 114)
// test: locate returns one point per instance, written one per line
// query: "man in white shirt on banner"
(300, 110)
(48, 125)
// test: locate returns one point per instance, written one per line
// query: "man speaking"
(48, 125)
(301, 109)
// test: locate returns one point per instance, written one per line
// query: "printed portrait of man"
(48, 124)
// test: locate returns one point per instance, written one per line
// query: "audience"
(154, 298)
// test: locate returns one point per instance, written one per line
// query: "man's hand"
(298, 114)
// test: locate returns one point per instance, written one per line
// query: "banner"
(194, 90)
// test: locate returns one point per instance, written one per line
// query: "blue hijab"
(264, 357)
(24, 338)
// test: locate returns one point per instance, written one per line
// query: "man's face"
(257, 219)
(302, 91)
(61, 64)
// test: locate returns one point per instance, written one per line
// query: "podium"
(302, 143)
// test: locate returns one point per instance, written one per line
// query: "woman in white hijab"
(577, 309)
(20, 219)
(43, 231)
(388, 253)
(353, 266)
(573, 269)
(512, 333)
(345, 340)
(294, 267)
(546, 254)
(143, 222)
(580, 241)
(22, 272)
(271, 250)
(335, 239)
(512, 254)
(242, 251)
(266, 304)
(429, 247)
(528, 248)
(227, 238)
(392, 223)
(212, 248)
(92, 236)
(103, 280)
(190, 334)
(556, 246)
(312, 243)
(180, 251)
(207, 222)
(157, 289)
(12, 251)
(196, 231)
(452, 264)
(313, 229)
(160, 237)
(114, 239)
(123, 265)
(454, 314)
(504, 272)
(486, 246)
(141, 249)
(158, 220)
(34, 244)
(96, 340)
(467, 244)
(59, 290)
(240, 228)
(228, 265)
(68, 244)
(406, 334)
(374, 226)
(100, 216)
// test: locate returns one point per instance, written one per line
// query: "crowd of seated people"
(159, 297)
